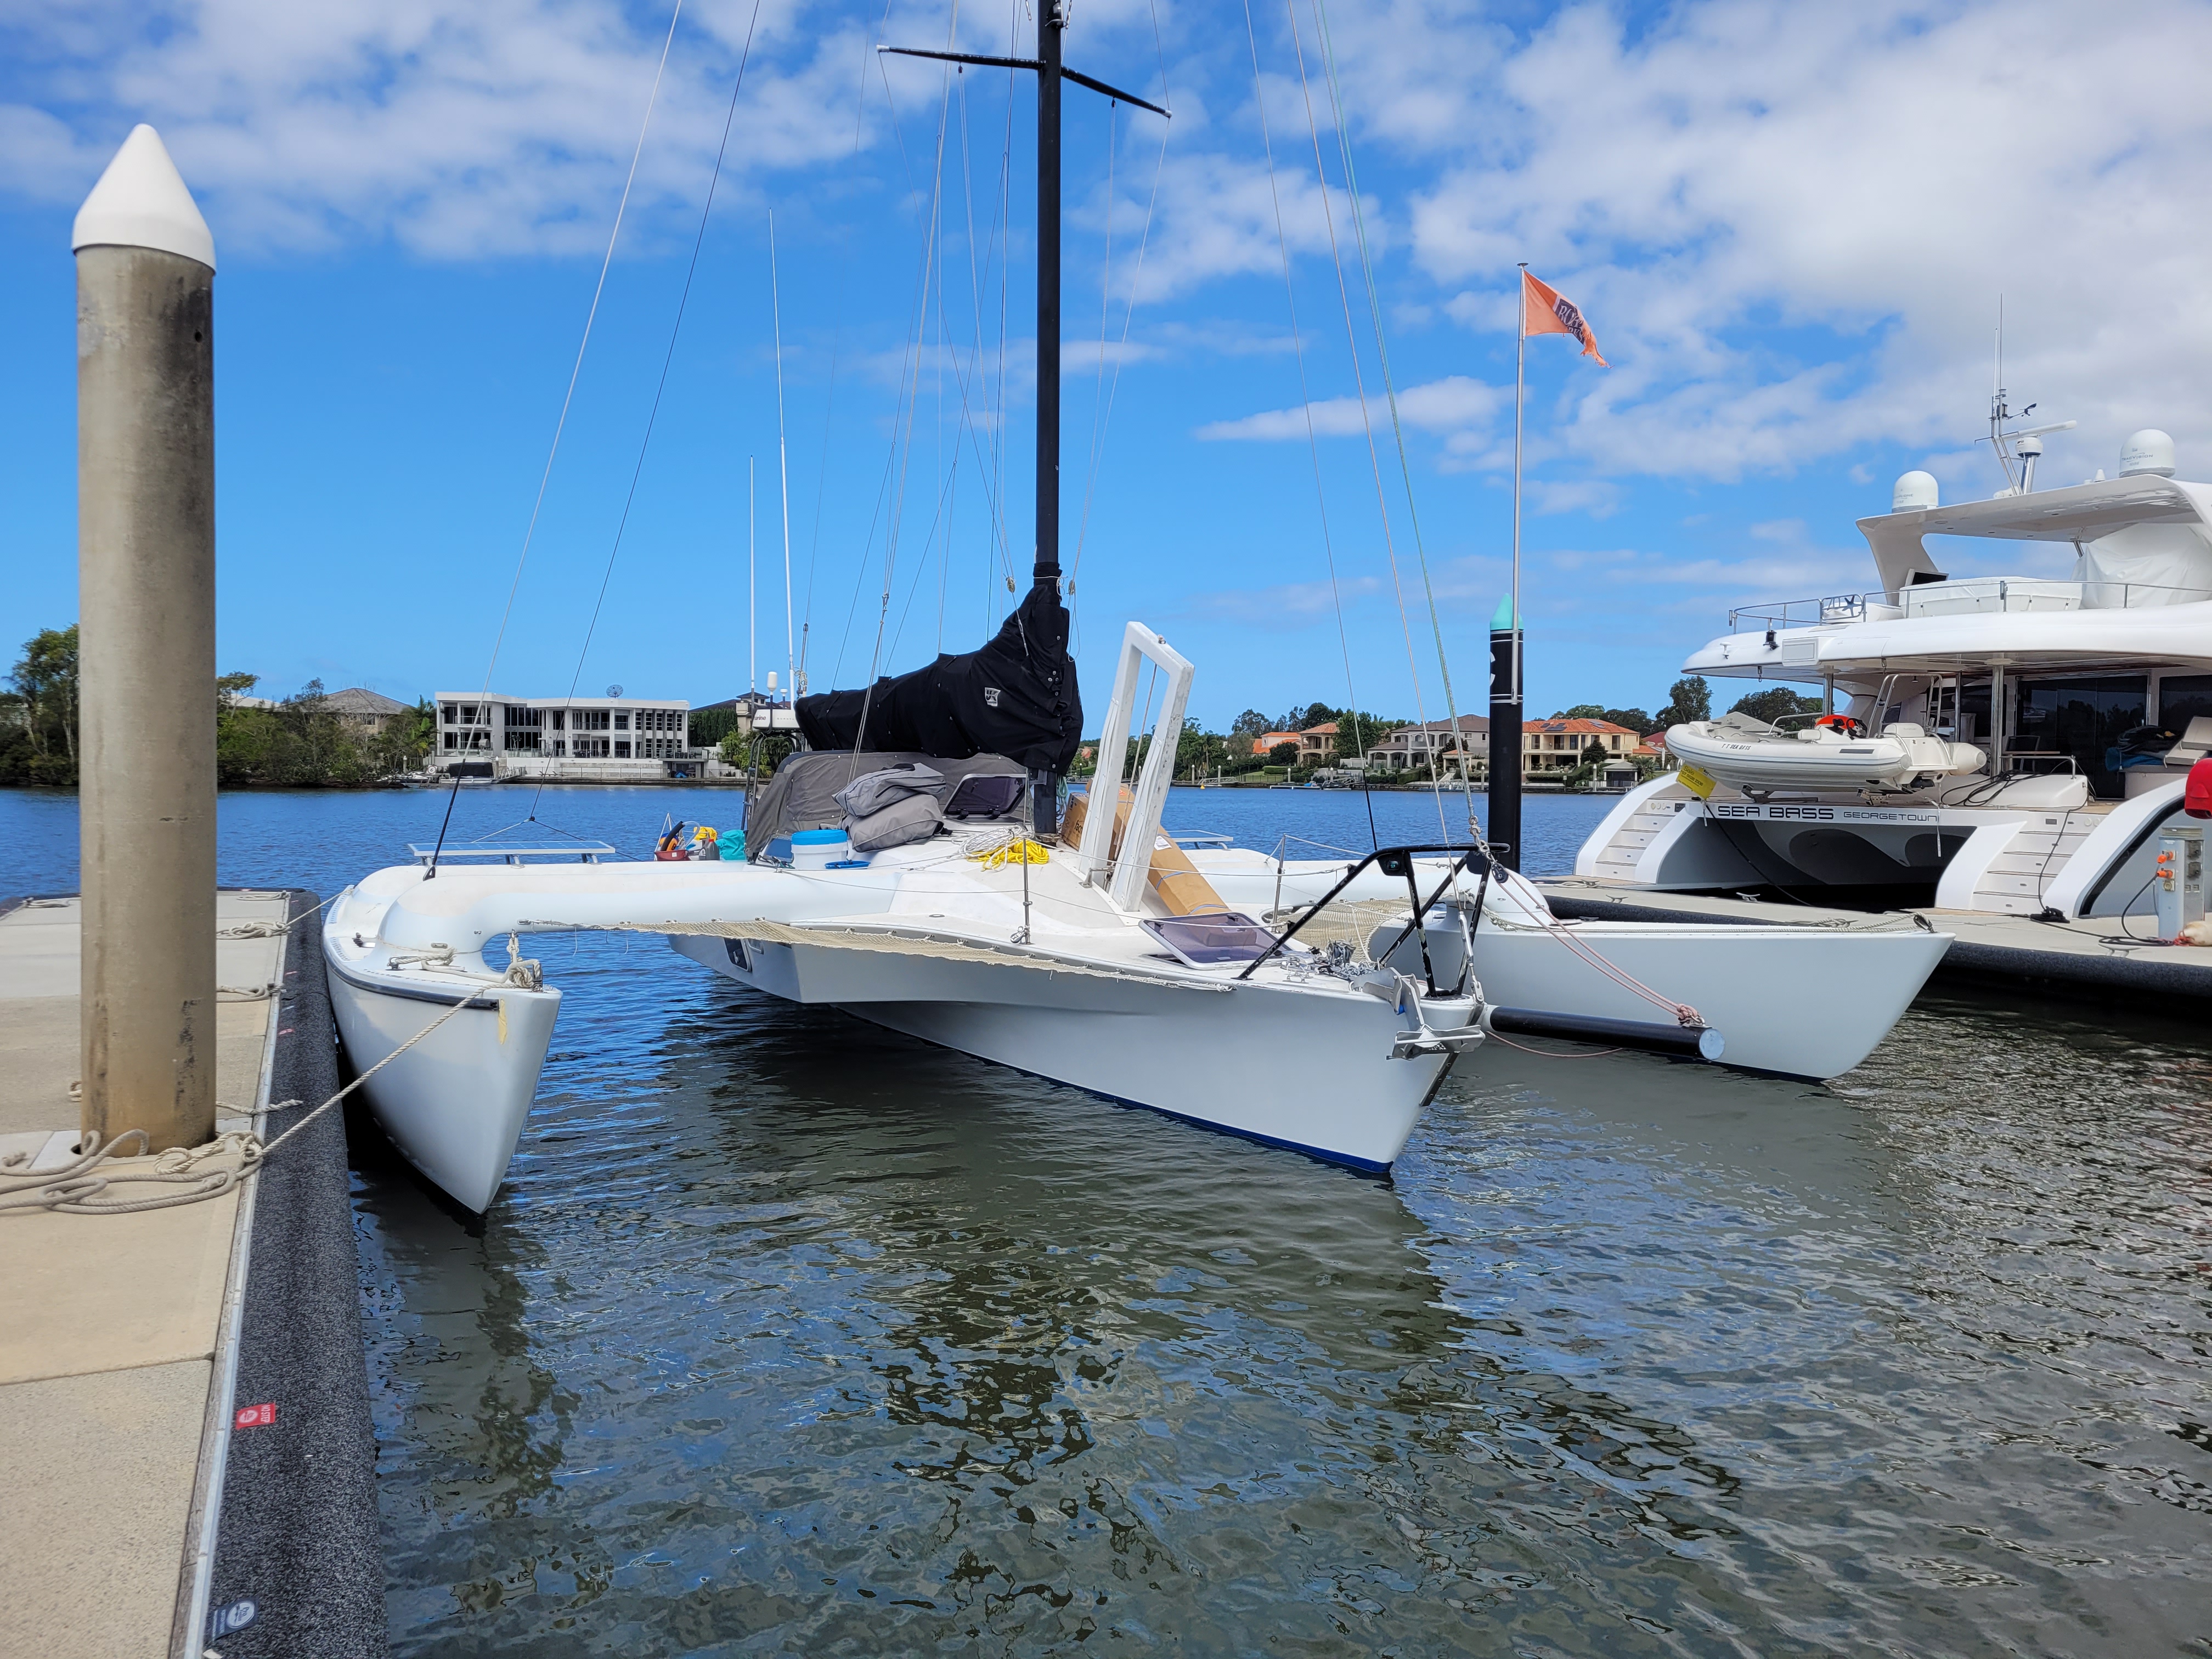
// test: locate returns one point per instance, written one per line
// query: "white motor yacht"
(2013, 744)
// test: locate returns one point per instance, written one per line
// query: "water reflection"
(795, 1335)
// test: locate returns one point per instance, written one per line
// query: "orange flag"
(1544, 312)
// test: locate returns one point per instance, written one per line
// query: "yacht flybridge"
(2012, 744)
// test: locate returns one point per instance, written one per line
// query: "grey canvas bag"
(872, 790)
(910, 818)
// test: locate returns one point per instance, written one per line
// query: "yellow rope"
(1018, 850)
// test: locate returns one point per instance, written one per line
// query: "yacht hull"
(1286, 1067)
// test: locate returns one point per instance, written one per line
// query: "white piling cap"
(141, 201)
(1914, 492)
(2147, 451)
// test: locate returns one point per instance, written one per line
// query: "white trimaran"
(1111, 960)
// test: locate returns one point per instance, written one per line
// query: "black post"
(1506, 662)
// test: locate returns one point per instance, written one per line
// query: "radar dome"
(1915, 493)
(2148, 450)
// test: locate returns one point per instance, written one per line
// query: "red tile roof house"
(1554, 748)
(1316, 744)
(1549, 749)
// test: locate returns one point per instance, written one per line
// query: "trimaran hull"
(1297, 1064)
(1258, 1061)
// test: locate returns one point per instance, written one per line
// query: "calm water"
(788, 1336)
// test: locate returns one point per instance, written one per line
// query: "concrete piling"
(145, 271)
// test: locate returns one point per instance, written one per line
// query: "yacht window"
(2182, 698)
(2081, 718)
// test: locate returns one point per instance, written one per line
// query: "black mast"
(1044, 787)
(1049, 25)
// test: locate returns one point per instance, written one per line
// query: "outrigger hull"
(1810, 1002)
(454, 1102)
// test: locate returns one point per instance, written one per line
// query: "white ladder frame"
(1126, 887)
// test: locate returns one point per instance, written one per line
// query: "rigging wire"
(837, 348)
(910, 380)
(667, 361)
(1360, 387)
(1100, 425)
(1390, 392)
(1305, 401)
(561, 425)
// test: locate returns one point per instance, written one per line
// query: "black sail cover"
(1015, 697)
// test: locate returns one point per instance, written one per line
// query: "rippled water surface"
(790, 1335)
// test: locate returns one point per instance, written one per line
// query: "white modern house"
(594, 739)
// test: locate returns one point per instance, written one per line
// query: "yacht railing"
(1804, 613)
(2035, 593)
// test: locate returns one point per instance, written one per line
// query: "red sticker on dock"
(255, 1417)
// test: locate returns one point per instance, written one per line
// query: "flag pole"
(1505, 723)
(1520, 381)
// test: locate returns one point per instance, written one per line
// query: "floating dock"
(184, 1399)
(2109, 956)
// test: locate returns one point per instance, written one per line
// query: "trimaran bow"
(1109, 964)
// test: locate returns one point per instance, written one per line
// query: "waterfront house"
(1549, 749)
(1314, 745)
(365, 713)
(1410, 746)
(597, 739)
(1552, 749)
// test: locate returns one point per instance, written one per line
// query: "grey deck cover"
(803, 793)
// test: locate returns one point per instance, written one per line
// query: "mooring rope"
(74, 1189)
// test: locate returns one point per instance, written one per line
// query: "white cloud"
(1788, 225)
(500, 128)
(1286, 604)
(1869, 178)
(1446, 405)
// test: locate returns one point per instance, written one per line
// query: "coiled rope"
(75, 1188)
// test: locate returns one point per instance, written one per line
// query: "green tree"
(1771, 704)
(1688, 699)
(710, 725)
(1634, 719)
(1249, 725)
(1283, 754)
(44, 708)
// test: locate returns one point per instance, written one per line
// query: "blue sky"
(1790, 226)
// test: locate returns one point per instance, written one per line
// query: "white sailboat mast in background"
(783, 468)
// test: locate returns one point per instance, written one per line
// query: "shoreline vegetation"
(302, 742)
(298, 743)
